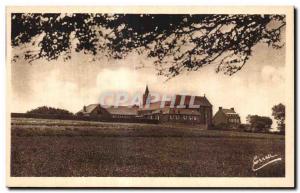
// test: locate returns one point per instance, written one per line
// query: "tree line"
(263, 124)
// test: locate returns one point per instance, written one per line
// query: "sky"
(80, 81)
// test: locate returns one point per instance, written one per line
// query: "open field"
(43, 147)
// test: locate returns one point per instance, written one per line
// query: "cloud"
(122, 79)
(273, 74)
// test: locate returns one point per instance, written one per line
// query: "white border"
(177, 182)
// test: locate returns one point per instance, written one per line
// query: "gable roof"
(89, 108)
(198, 100)
(229, 111)
(122, 110)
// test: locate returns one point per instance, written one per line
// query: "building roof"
(230, 113)
(156, 105)
(147, 90)
(89, 108)
(198, 100)
(122, 110)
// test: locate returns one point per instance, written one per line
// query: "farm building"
(173, 115)
(226, 116)
(94, 110)
(179, 110)
(91, 110)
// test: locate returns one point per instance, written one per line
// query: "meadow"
(41, 147)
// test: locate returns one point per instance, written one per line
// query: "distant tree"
(177, 42)
(248, 119)
(278, 112)
(49, 111)
(260, 123)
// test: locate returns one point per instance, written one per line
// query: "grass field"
(41, 147)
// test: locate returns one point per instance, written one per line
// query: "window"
(195, 118)
(184, 117)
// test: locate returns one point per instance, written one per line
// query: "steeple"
(147, 90)
(146, 95)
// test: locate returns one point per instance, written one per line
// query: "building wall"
(175, 118)
(220, 118)
(235, 120)
(206, 115)
(121, 116)
(182, 118)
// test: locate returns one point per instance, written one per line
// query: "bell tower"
(146, 95)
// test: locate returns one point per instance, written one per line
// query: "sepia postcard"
(150, 97)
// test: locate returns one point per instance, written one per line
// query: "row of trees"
(263, 124)
(259, 123)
